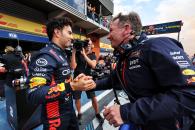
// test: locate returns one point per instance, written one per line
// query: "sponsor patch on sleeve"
(191, 80)
(37, 81)
(41, 62)
(188, 72)
(58, 88)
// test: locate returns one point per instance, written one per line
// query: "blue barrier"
(129, 126)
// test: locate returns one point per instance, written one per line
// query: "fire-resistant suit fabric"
(49, 85)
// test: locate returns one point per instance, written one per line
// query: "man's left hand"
(113, 116)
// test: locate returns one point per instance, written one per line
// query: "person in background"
(3, 71)
(83, 62)
(27, 57)
(93, 13)
(89, 8)
(13, 63)
(18, 52)
(101, 60)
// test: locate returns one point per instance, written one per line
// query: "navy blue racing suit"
(49, 85)
(159, 79)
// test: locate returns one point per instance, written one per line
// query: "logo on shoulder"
(188, 72)
(66, 72)
(135, 54)
(41, 62)
(37, 81)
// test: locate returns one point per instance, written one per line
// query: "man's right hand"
(2, 70)
(74, 51)
(82, 83)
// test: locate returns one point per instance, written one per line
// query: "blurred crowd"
(91, 13)
(14, 67)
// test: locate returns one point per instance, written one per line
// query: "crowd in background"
(14, 67)
(91, 13)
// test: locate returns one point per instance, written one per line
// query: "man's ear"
(127, 29)
(56, 32)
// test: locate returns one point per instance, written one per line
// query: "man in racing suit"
(155, 73)
(49, 80)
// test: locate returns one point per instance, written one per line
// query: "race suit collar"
(56, 46)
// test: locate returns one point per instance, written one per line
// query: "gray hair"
(133, 19)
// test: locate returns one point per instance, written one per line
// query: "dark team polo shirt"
(82, 66)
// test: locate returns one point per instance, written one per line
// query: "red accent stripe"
(3, 23)
(123, 72)
(52, 109)
(53, 82)
(54, 54)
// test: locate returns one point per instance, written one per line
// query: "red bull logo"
(188, 72)
(37, 81)
(54, 124)
(57, 88)
(191, 80)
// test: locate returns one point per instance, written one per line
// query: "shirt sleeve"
(108, 82)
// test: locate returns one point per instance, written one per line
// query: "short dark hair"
(57, 23)
(133, 19)
(87, 40)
